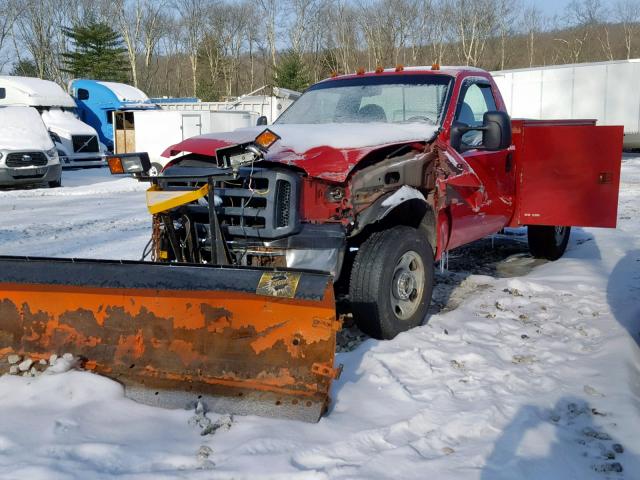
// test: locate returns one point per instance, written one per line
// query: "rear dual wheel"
(391, 282)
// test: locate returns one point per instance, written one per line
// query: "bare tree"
(475, 22)
(581, 17)
(343, 39)
(507, 11)
(174, 62)
(37, 32)
(627, 13)
(154, 25)
(8, 12)
(532, 21)
(233, 38)
(300, 28)
(192, 15)
(269, 10)
(438, 29)
(128, 19)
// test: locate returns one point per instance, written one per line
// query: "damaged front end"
(256, 219)
(237, 209)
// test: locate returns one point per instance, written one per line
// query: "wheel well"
(415, 213)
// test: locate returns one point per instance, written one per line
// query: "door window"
(478, 99)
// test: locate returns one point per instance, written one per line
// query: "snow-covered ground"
(535, 376)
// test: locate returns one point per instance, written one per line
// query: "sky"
(552, 7)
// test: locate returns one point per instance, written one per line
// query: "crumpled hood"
(327, 151)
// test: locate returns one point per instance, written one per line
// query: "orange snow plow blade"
(240, 340)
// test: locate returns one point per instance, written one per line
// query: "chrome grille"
(85, 143)
(26, 159)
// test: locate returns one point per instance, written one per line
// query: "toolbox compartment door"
(568, 173)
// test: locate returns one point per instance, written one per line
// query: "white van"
(27, 153)
(77, 143)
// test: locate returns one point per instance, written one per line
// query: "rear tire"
(155, 169)
(391, 282)
(548, 242)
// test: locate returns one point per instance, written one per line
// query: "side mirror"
(457, 130)
(496, 131)
(262, 120)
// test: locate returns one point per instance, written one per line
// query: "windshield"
(384, 99)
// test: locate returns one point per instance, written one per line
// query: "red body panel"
(481, 201)
(568, 173)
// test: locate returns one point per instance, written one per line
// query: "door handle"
(508, 164)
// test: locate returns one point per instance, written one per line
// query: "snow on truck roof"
(21, 128)
(124, 92)
(35, 92)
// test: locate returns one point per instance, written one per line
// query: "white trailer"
(270, 105)
(608, 92)
(153, 131)
(76, 142)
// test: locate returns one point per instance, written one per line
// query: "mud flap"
(241, 340)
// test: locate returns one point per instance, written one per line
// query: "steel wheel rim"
(407, 285)
(559, 233)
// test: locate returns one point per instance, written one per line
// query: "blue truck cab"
(97, 101)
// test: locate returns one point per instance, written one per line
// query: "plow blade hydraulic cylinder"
(241, 340)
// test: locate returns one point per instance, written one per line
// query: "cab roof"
(452, 71)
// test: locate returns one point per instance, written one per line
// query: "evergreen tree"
(25, 68)
(98, 53)
(291, 72)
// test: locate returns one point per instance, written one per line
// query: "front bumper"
(94, 160)
(29, 176)
(315, 247)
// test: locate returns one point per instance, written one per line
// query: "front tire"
(391, 282)
(548, 242)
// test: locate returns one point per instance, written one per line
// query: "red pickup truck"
(374, 176)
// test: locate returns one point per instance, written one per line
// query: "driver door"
(493, 203)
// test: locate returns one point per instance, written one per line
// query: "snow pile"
(93, 215)
(530, 377)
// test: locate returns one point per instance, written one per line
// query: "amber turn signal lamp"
(266, 139)
(379, 69)
(399, 68)
(360, 71)
(115, 165)
(435, 66)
